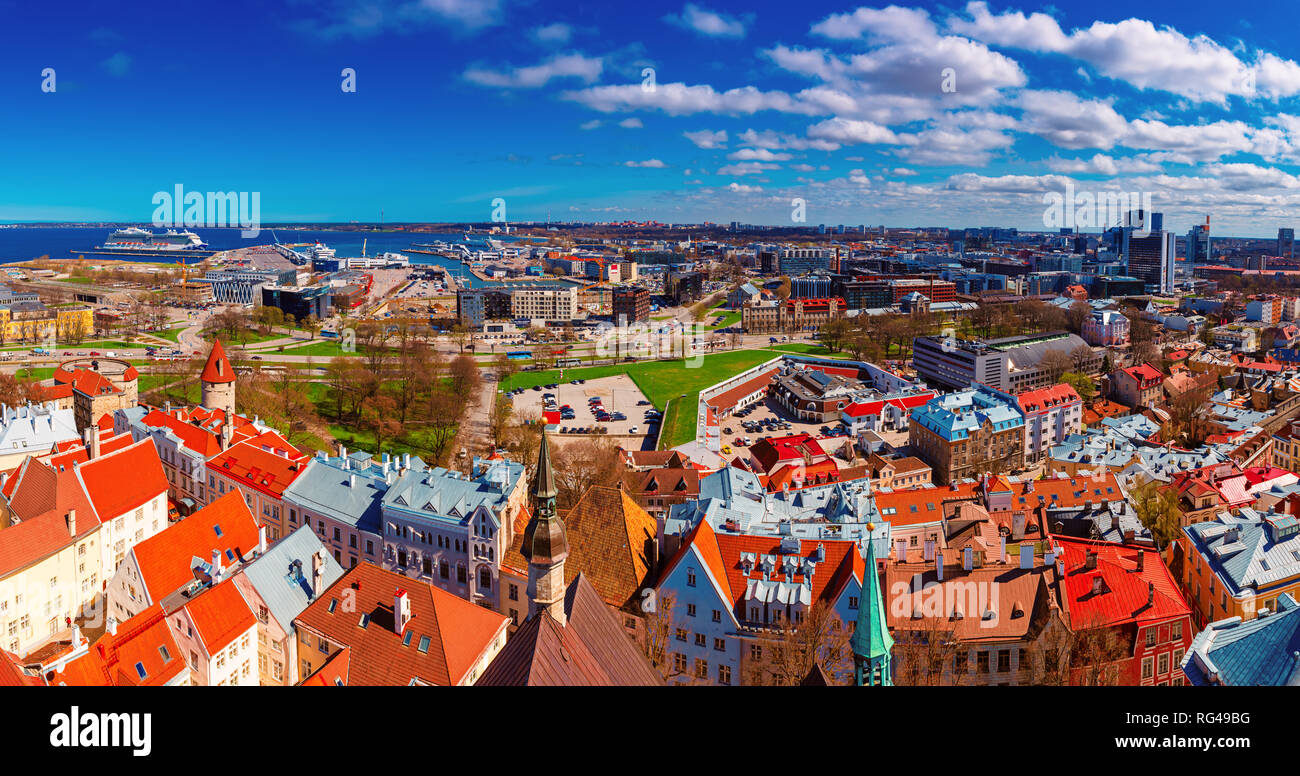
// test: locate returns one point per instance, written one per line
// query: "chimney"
(91, 438)
(226, 431)
(343, 451)
(1002, 549)
(1151, 593)
(72, 522)
(900, 550)
(261, 540)
(1096, 585)
(1090, 561)
(1142, 557)
(1026, 556)
(401, 610)
(111, 626)
(216, 566)
(352, 480)
(967, 558)
(929, 550)
(317, 572)
(938, 566)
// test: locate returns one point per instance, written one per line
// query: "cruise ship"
(142, 242)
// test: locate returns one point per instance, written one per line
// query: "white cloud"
(1137, 52)
(632, 123)
(678, 99)
(655, 163)
(758, 155)
(578, 66)
(743, 189)
(590, 124)
(747, 168)
(706, 138)
(706, 22)
(1101, 164)
(556, 34)
(852, 132)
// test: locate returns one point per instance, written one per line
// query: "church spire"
(871, 641)
(546, 543)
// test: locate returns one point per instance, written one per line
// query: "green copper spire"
(871, 642)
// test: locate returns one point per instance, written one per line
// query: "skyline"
(845, 106)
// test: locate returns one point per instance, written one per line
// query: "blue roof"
(326, 487)
(1258, 652)
(954, 416)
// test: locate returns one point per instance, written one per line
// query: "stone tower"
(218, 381)
(546, 544)
(872, 644)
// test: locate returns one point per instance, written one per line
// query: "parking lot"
(768, 408)
(617, 394)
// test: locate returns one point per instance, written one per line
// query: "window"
(1151, 637)
(724, 674)
(514, 592)
(699, 639)
(424, 644)
(679, 662)
(701, 669)
(982, 662)
(717, 615)
(720, 645)
(1146, 668)
(1162, 664)
(690, 577)
(755, 652)
(681, 634)
(1178, 631)
(690, 610)
(1004, 660)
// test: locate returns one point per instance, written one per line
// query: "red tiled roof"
(120, 481)
(268, 471)
(729, 397)
(31, 540)
(218, 368)
(721, 554)
(1144, 373)
(113, 660)
(1124, 589)
(1046, 398)
(220, 615)
(459, 632)
(195, 438)
(164, 558)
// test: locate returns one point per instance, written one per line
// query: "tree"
(1156, 506)
(926, 655)
(1082, 385)
(790, 651)
(464, 376)
(461, 335)
(580, 465)
(311, 324)
(1081, 356)
(1055, 363)
(380, 419)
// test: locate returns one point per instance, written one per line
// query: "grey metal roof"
(350, 495)
(285, 594)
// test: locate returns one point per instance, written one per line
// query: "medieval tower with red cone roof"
(218, 381)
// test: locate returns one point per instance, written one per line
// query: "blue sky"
(545, 104)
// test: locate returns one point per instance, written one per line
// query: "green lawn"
(171, 335)
(249, 337)
(660, 381)
(806, 349)
(728, 319)
(679, 421)
(318, 349)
